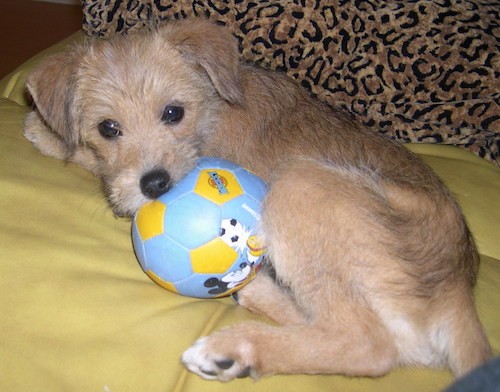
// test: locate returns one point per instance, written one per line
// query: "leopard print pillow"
(415, 70)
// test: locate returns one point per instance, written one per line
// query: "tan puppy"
(374, 262)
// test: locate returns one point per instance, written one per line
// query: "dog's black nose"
(155, 183)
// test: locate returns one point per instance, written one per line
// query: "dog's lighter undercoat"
(374, 261)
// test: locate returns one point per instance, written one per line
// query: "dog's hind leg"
(341, 346)
(321, 250)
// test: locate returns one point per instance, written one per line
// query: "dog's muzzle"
(155, 183)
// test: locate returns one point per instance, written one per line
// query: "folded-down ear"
(52, 85)
(215, 49)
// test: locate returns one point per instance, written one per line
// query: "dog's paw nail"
(208, 373)
(245, 372)
(225, 363)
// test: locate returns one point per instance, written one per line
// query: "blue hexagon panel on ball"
(200, 239)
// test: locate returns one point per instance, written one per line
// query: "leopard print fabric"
(416, 70)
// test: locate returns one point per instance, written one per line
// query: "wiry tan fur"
(374, 262)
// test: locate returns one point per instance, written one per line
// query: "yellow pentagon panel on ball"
(214, 257)
(163, 283)
(150, 219)
(217, 185)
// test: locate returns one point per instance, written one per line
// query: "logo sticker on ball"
(218, 185)
(217, 181)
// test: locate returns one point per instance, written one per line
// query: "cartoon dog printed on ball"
(234, 234)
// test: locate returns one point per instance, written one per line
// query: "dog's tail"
(460, 336)
(468, 344)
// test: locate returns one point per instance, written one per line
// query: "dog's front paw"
(203, 359)
(42, 137)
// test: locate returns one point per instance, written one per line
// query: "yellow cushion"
(78, 313)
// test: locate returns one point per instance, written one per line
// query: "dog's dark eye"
(172, 114)
(109, 129)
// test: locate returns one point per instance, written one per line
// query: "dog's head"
(143, 104)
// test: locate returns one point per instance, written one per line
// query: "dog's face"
(142, 104)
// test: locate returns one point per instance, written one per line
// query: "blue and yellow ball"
(200, 239)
